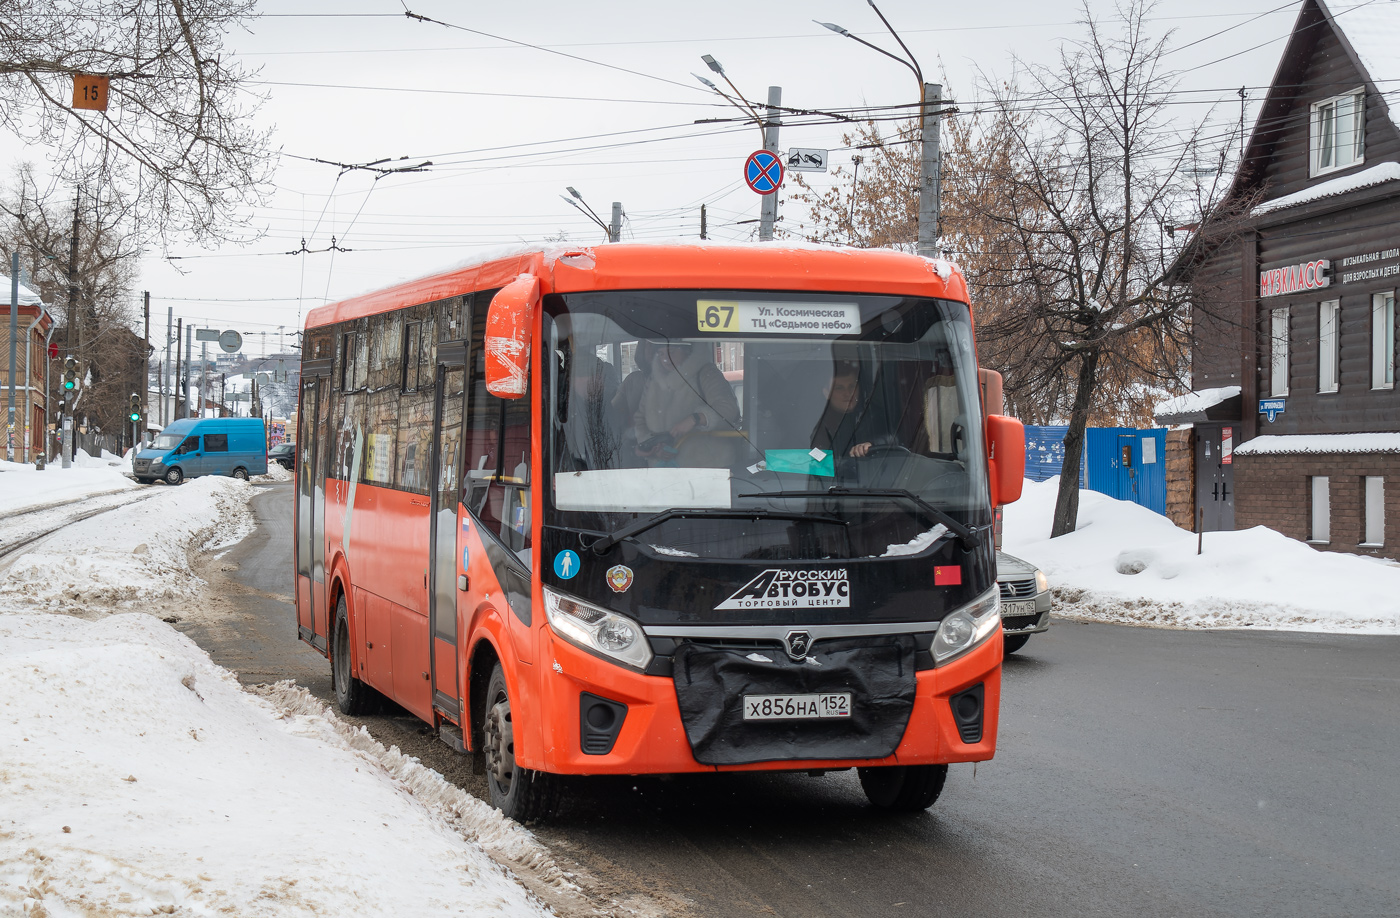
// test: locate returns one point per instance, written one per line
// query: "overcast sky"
(508, 127)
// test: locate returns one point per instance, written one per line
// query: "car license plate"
(797, 707)
(1026, 607)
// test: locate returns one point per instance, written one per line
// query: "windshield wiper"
(969, 537)
(656, 519)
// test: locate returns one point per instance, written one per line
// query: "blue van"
(192, 447)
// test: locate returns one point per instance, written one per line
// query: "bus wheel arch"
(522, 794)
(484, 658)
(351, 694)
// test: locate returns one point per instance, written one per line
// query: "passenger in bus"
(592, 426)
(684, 393)
(848, 427)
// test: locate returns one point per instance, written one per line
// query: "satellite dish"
(231, 341)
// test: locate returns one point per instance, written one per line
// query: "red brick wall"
(1275, 491)
(1181, 478)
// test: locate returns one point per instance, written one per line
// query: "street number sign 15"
(90, 91)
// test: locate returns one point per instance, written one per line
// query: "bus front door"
(446, 472)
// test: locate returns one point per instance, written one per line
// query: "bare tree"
(1100, 173)
(178, 131)
(88, 279)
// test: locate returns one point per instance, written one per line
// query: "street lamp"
(578, 203)
(746, 105)
(930, 99)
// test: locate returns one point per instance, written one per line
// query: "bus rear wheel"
(903, 788)
(241, 474)
(519, 793)
(352, 696)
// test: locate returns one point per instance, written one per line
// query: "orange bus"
(646, 509)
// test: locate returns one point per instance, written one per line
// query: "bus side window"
(496, 450)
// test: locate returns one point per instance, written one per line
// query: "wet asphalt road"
(1139, 772)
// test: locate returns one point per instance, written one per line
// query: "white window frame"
(1383, 340)
(1329, 350)
(1333, 147)
(1320, 532)
(1278, 351)
(1374, 521)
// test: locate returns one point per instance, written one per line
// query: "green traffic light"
(68, 384)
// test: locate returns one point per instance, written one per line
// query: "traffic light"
(135, 407)
(70, 374)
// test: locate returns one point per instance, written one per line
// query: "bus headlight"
(597, 630)
(969, 626)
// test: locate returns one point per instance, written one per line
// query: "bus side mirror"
(509, 324)
(992, 400)
(1006, 458)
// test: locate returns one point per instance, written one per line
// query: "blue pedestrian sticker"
(466, 558)
(566, 564)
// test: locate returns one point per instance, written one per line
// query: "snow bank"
(22, 487)
(1125, 563)
(135, 557)
(137, 778)
(276, 472)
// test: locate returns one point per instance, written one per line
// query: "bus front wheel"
(519, 793)
(903, 788)
(351, 695)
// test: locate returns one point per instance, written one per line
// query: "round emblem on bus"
(619, 578)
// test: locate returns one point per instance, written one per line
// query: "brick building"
(1296, 416)
(31, 398)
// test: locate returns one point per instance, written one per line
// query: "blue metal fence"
(1122, 462)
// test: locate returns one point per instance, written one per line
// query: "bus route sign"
(763, 171)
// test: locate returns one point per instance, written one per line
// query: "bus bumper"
(652, 739)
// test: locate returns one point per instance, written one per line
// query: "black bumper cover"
(711, 683)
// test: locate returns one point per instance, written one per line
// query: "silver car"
(1025, 600)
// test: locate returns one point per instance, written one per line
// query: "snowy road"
(1139, 771)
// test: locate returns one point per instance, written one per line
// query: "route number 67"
(717, 315)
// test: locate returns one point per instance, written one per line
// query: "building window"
(1321, 530)
(1383, 340)
(1278, 351)
(1338, 132)
(1329, 339)
(1375, 512)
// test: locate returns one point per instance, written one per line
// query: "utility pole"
(930, 178)
(175, 403)
(615, 229)
(189, 358)
(223, 387)
(14, 355)
(769, 214)
(69, 398)
(203, 377)
(702, 222)
(166, 380)
(146, 363)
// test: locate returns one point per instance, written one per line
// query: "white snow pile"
(1124, 563)
(137, 778)
(23, 487)
(276, 472)
(134, 557)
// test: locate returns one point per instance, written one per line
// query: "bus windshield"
(849, 423)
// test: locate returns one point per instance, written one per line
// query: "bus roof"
(689, 265)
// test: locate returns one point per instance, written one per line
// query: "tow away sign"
(803, 159)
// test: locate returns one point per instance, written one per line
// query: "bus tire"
(352, 696)
(174, 476)
(521, 794)
(1014, 642)
(903, 788)
(241, 474)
